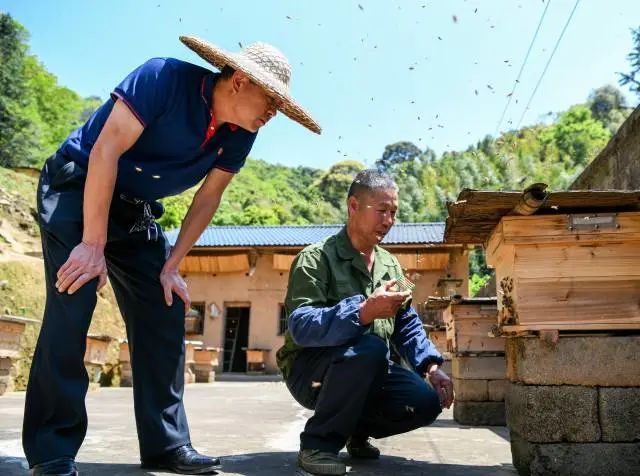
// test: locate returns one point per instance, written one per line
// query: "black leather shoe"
(184, 460)
(56, 467)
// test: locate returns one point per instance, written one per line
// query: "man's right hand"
(382, 303)
(85, 263)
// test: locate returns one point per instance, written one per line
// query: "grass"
(24, 295)
(19, 184)
(23, 290)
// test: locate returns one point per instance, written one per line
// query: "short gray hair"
(371, 180)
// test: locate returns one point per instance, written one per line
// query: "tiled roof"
(303, 235)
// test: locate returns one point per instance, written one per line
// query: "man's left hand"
(172, 282)
(443, 385)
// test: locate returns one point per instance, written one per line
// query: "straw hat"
(265, 65)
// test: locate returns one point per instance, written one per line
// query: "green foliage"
(266, 194)
(15, 128)
(396, 154)
(478, 264)
(476, 282)
(608, 105)
(334, 184)
(578, 136)
(632, 79)
(36, 114)
(54, 110)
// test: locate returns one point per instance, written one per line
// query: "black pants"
(55, 418)
(356, 391)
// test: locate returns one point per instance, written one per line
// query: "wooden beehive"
(438, 338)
(96, 350)
(566, 272)
(469, 323)
(11, 330)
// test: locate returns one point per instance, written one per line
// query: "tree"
(578, 136)
(334, 184)
(395, 154)
(16, 141)
(54, 111)
(90, 105)
(632, 79)
(607, 105)
(36, 114)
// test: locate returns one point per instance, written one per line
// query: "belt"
(146, 220)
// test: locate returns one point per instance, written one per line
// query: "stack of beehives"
(478, 364)
(568, 285)
(568, 279)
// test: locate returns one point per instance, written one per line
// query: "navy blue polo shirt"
(180, 143)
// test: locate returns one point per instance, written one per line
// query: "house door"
(236, 338)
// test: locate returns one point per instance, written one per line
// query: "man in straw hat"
(167, 126)
(347, 303)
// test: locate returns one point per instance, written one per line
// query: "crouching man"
(346, 306)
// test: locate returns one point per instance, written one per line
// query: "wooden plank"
(190, 264)
(475, 213)
(553, 228)
(571, 326)
(572, 300)
(282, 262)
(473, 311)
(432, 261)
(233, 263)
(494, 242)
(472, 335)
(205, 263)
(480, 367)
(199, 264)
(612, 261)
(503, 260)
(468, 325)
(423, 261)
(439, 339)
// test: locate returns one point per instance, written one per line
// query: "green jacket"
(327, 283)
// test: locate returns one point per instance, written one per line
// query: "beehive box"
(567, 272)
(469, 323)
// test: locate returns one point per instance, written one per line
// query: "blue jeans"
(356, 390)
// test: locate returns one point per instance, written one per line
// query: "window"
(282, 322)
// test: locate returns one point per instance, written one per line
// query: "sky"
(433, 72)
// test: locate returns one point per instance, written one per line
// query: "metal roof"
(303, 235)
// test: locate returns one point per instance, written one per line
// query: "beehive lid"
(475, 213)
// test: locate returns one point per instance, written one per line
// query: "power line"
(548, 62)
(526, 58)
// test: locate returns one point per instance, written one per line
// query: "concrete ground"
(254, 427)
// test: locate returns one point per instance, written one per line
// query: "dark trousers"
(356, 391)
(55, 418)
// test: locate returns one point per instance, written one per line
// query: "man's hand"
(172, 282)
(382, 303)
(85, 263)
(442, 384)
